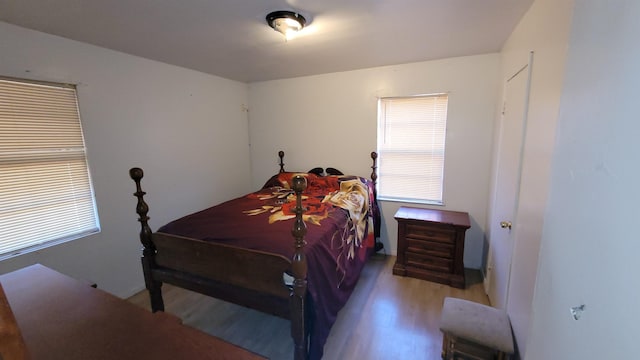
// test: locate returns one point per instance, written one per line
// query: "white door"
(503, 218)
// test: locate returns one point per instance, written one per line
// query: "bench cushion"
(476, 322)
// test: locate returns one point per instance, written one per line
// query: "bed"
(294, 248)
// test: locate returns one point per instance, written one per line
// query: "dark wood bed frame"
(241, 276)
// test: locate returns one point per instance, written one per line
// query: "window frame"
(60, 167)
(433, 152)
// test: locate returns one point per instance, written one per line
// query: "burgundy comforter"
(339, 213)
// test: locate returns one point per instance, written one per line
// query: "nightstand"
(431, 245)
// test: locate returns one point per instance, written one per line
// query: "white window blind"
(411, 142)
(45, 189)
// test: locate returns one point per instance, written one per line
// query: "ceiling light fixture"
(288, 23)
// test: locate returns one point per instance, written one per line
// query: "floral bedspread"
(339, 213)
(320, 200)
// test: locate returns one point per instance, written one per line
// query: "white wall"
(544, 30)
(330, 120)
(590, 248)
(187, 130)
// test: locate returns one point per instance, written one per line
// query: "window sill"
(48, 244)
(411, 201)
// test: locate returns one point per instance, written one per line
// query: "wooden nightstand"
(431, 245)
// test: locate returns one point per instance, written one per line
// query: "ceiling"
(230, 38)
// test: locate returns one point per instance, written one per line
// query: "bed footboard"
(242, 276)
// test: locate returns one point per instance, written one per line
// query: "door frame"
(528, 67)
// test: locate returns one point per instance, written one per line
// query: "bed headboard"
(333, 171)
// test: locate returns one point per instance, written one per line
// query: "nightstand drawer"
(430, 248)
(429, 262)
(420, 231)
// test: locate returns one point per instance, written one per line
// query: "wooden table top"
(12, 345)
(456, 218)
(62, 318)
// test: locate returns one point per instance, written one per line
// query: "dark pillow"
(273, 181)
(332, 171)
(318, 171)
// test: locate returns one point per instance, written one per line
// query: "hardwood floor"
(387, 317)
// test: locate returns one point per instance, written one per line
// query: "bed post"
(281, 156)
(149, 250)
(299, 270)
(374, 177)
(374, 168)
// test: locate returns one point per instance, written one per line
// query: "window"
(45, 189)
(411, 136)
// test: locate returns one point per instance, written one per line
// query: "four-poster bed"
(242, 251)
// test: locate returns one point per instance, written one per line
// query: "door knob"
(505, 224)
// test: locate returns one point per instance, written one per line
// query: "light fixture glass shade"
(288, 23)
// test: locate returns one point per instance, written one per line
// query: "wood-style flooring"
(387, 317)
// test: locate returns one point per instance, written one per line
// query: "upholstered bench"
(475, 331)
